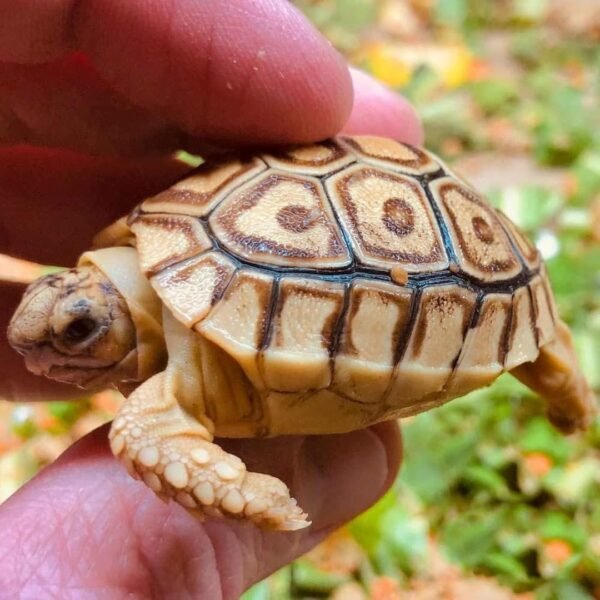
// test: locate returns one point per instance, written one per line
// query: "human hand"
(128, 83)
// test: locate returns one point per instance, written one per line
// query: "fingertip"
(341, 476)
(390, 434)
(234, 73)
(378, 110)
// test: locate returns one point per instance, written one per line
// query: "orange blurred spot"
(570, 185)
(9, 443)
(47, 422)
(538, 463)
(385, 588)
(107, 401)
(478, 70)
(558, 551)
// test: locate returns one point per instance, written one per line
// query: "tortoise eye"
(79, 329)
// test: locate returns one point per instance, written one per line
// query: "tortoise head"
(76, 327)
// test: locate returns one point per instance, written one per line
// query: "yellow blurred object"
(389, 67)
(16, 467)
(351, 590)
(395, 63)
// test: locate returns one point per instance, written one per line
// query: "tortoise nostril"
(79, 329)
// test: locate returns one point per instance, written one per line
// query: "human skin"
(94, 97)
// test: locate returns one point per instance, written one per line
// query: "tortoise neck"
(121, 266)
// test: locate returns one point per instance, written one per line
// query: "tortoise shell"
(358, 269)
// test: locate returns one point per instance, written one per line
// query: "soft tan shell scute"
(283, 220)
(544, 309)
(388, 218)
(191, 288)
(436, 340)
(387, 153)
(165, 239)
(484, 350)
(376, 321)
(317, 159)
(483, 247)
(200, 191)
(528, 251)
(303, 329)
(522, 337)
(238, 323)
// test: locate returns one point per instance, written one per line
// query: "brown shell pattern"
(357, 265)
(281, 219)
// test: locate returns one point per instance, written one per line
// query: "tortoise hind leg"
(556, 376)
(175, 456)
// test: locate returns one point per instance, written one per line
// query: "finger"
(84, 524)
(378, 110)
(52, 204)
(229, 71)
(65, 104)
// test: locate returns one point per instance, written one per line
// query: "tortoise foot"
(176, 458)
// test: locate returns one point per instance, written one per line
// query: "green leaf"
(540, 436)
(587, 343)
(451, 12)
(471, 536)
(587, 174)
(530, 11)
(259, 591)
(560, 526)
(366, 528)
(22, 421)
(560, 141)
(406, 537)
(494, 96)
(310, 579)
(436, 456)
(530, 207)
(563, 590)
(480, 477)
(66, 412)
(193, 160)
(506, 567)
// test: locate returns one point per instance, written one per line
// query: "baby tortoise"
(316, 289)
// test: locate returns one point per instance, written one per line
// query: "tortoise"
(306, 290)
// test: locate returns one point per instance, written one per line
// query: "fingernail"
(341, 475)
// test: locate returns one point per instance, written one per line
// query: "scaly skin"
(174, 455)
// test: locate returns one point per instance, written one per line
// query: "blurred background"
(492, 503)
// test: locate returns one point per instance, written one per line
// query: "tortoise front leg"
(556, 376)
(175, 456)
